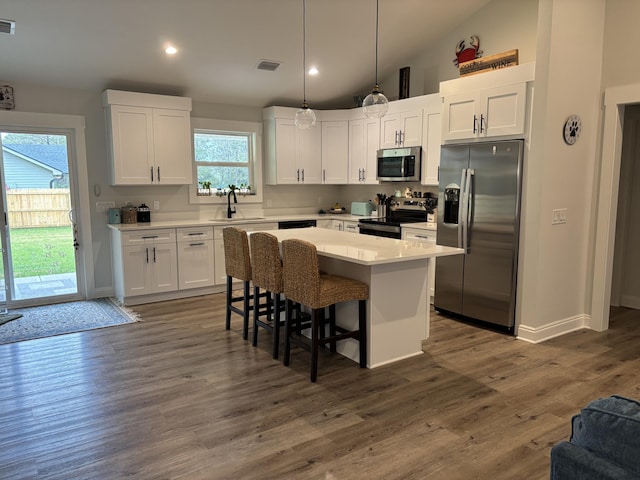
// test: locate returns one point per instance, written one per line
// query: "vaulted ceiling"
(94, 45)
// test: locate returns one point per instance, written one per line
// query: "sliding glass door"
(39, 235)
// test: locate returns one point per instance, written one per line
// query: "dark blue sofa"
(604, 443)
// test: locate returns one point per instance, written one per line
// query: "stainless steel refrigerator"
(479, 210)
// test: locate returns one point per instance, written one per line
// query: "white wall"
(502, 25)
(554, 285)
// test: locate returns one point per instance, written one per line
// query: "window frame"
(254, 131)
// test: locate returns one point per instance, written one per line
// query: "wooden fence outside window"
(38, 207)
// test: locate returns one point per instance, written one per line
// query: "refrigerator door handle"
(467, 209)
(461, 208)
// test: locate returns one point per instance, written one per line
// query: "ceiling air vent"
(268, 65)
(7, 26)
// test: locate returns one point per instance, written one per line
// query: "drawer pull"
(196, 233)
(150, 236)
(196, 244)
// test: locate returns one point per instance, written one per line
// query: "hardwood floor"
(175, 396)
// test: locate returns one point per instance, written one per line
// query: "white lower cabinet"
(351, 227)
(195, 257)
(428, 237)
(148, 263)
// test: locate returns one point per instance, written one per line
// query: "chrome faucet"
(230, 211)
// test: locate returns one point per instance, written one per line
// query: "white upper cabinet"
(486, 105)
(402, 125)
(292, 155)
(364, 142)
(431, 140)
(335, 152)
(149, 138)
(486, 113)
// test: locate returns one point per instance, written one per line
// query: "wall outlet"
(558, 216)
(104, 206)
(156, 205)
(269, 203)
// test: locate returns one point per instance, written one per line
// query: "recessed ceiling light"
(171, 50)
(313, 71)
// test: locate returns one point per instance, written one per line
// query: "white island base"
(397, 274)
(397, 310)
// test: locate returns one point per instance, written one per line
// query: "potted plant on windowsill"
(204, 189)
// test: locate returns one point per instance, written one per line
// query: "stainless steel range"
(399, 211)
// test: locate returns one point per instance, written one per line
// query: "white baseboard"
(630, 301)
(555, 329)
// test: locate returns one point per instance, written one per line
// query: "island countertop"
(365, 249)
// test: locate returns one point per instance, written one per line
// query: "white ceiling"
(98, 44)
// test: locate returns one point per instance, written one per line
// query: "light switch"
(559, 216)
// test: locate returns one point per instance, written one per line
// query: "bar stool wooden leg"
(227, 324)
(246, 307)
(276, 326)
(287, 332)
(256, 294)
(316, 323)
(362, 335)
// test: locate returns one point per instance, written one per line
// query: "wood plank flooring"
(175, 396)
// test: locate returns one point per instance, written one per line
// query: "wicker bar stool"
(237, 262)
(304, 284)
(266, 266)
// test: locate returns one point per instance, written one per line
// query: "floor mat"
(61, 318)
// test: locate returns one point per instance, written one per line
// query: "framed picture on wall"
(403, 89)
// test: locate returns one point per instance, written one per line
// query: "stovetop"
(403, 211)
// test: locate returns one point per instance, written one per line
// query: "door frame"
(615, 101)
(74, 126)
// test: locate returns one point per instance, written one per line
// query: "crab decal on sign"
(467, 49)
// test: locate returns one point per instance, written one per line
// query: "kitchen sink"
(236, 220)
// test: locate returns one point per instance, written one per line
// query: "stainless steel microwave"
(399, 164)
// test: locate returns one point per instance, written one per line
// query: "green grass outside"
(42, 251)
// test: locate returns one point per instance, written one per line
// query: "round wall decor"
(571, 129)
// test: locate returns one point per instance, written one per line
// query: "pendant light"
(305, 117)
(375, 105)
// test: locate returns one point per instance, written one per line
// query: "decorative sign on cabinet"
(149, 138)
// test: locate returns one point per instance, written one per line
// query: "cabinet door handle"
(298, 175)
(324, 175)
(396, 138)
(482, 122)
(303, 175)
(196, 244)
(158, 173)
(475, 124)
(154, 254)
(151, 173)
(147, 252)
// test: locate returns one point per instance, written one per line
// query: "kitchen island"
(397, 274)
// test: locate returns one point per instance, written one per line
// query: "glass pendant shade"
(375, 105)
(305, 117)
